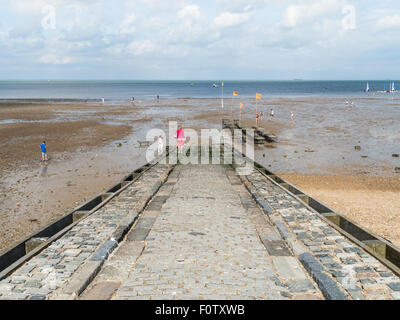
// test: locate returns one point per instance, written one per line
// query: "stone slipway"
(203, 237)
(212, 235)
(202, 232)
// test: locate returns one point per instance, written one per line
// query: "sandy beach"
(92, 146)
(373, 202)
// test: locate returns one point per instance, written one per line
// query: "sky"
(202, 40)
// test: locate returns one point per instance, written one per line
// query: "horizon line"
(199, 80)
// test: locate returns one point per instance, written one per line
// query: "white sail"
(367, 89)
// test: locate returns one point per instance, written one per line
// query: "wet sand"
(80, 146)
(93, 146)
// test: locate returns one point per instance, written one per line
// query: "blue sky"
(189, 39)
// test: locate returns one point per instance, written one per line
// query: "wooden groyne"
(260, 134)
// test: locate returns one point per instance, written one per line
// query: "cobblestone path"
(202, 232)
(207, 241)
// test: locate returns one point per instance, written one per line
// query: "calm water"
(322, 121)
(146, 90)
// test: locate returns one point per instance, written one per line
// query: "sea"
(147, 90)
(323, 122)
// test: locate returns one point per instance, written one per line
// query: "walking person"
(180, 139)
(271, 114)
(43, 148)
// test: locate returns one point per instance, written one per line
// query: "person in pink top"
(180, 139)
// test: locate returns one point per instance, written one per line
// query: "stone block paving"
(204, 246)
(358, 273)
(55, 265)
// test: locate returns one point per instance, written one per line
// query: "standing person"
(158, 98)
(180, 139)
(257, 117)
(271, 114)
(133, 100)
(44, 151)
(291, 115)
(261, 117)
(160, 145)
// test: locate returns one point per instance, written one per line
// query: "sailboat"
(367, 88)
(392, 89)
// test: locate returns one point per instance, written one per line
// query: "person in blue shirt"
(44, 151)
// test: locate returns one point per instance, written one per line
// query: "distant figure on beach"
(261, 117)
(347, 103)
(44, 151)
(158, 98)
(352, 104)
(133, 100)
(160, 145)
(102, 99)
(291, 115)
(180, 139)
(271, 114)
(257, 118)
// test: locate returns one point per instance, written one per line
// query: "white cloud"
(191, 16)
(311, 11)
(229, 19)
(157, 5)
(389, 22)
(190, 12)
(189, 36)
(54, 59)
(138, 48)
(36, 6)
(127, 25)
(29, 6)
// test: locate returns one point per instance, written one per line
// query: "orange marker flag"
(241, 106)
(235, 93)
(258, 96)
